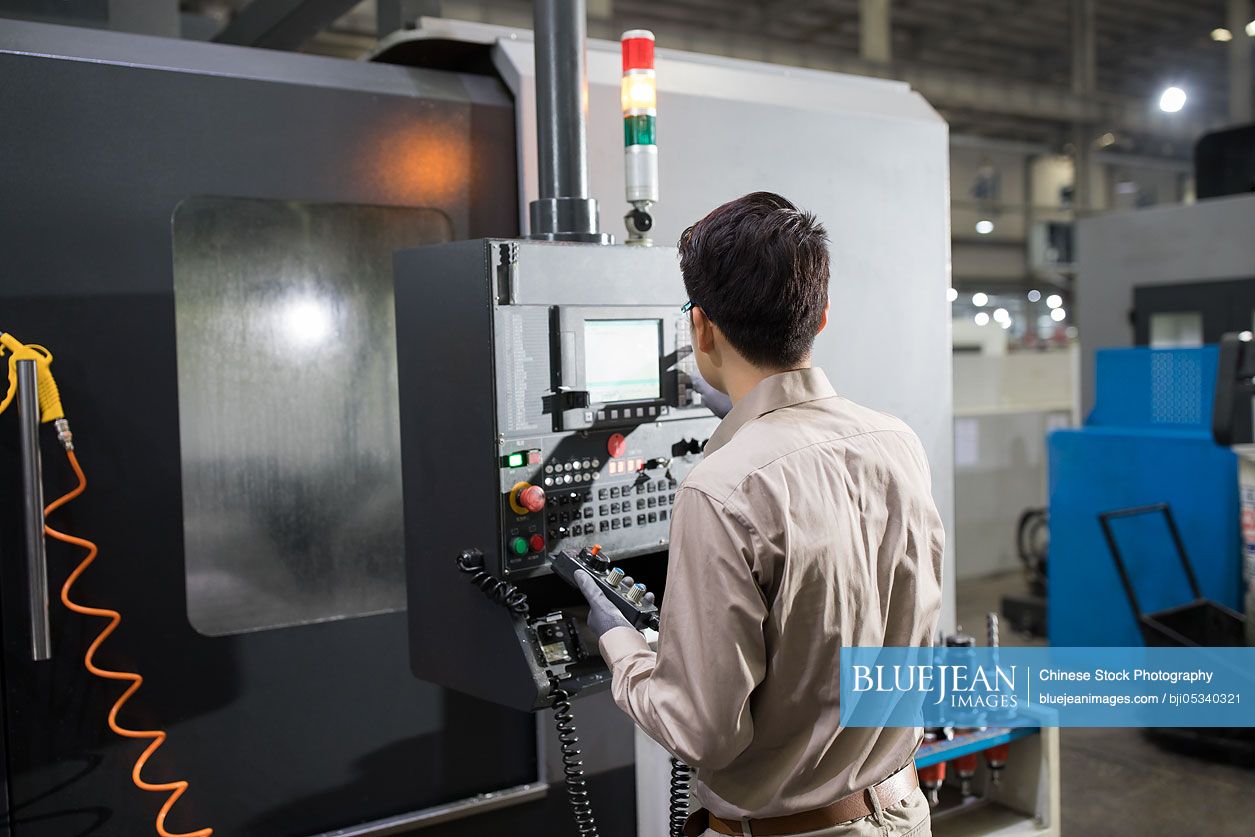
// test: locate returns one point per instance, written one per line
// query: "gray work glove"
(602, 614)
(717, 402)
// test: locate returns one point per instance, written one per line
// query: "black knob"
(687, 446)
(595, 559)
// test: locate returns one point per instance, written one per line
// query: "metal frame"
(438, 814)
(1105, 519)
(282, 24)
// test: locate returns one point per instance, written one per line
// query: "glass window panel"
(1176, 329)
(288, 408)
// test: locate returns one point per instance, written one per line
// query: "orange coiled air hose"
(158, 737)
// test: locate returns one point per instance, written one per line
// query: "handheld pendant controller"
(628, 598)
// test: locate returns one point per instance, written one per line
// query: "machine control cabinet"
(546, 405)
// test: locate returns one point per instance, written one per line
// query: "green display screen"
(621, 360)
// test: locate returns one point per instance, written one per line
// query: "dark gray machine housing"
(494, 393)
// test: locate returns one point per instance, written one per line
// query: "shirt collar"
(772, 393)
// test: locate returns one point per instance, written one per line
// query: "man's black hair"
(758, 267)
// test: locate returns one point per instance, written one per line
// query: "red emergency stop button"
(525, 498)
(616, 445)
(532, 498)
(537, 543)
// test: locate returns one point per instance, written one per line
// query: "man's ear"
(823, 321)
(703, 331)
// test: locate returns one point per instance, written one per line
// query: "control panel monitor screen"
(621, 360)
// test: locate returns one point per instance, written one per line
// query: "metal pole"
(564, 211)
(561, 90)
(875, 33)
(1240, 48)
(1084, 80)
(33, 496)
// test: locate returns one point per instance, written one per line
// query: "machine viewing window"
(288, 408)
(621, 360)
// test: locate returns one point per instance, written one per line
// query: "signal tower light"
(640, 113)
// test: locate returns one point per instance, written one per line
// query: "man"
(808, 526)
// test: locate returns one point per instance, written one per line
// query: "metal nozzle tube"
(33, 510)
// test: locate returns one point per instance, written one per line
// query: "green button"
(519, 546)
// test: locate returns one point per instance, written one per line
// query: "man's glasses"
(686, 307)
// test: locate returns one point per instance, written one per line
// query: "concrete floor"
(1118, 781)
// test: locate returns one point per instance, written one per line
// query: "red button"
(616, 445)
(532, 498)
(537, 543)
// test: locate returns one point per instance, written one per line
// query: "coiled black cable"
(471, 562)
(678, 806)
(572, 764)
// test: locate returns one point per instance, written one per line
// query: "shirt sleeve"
(693, 695)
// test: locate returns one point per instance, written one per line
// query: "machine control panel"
(568, 491)
(564, 417)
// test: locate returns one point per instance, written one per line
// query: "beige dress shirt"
(808, 526)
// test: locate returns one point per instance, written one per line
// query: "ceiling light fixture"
(1172, 100)
(1221, 34)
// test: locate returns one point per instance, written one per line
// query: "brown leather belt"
(857, 805)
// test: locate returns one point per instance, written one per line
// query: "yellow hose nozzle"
(49, 397)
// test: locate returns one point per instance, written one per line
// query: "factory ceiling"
(994, 68)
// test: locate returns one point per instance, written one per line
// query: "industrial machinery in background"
(1232, 426)
(1148, 441)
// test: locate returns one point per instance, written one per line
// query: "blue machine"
(1148, 440)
